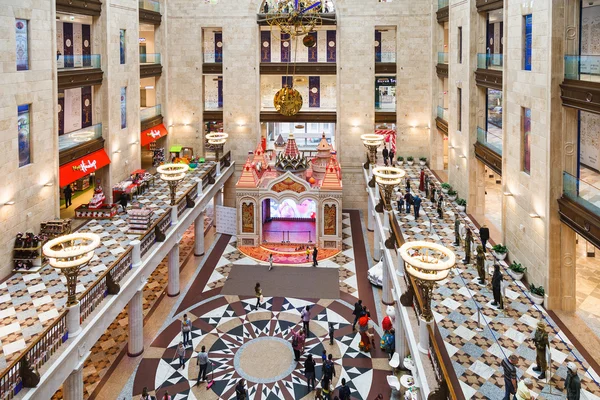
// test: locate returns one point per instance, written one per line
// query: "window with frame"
(24, 136)
(526, 140)
(22, 44)
(527, 41)
(122, 46)
(123, 107)
(459, 116)
(460, 44)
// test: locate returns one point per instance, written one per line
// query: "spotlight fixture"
(508, 194)
(134, 143)
(9, 203)
(117, 151)
(462, 156)
(534, 215)
(49, 184)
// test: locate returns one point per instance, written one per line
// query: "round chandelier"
(295, 18)
(287, 101)
(172, 174)
(427, 261)
(388, 178)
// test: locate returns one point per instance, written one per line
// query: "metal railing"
(581, 192)
(490, 61)
(582, 68)
(78, 61)
(490, 140)
(150, 112)
(442, 57)
(76, 138)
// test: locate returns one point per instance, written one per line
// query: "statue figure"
(481, 264)
(497, 287)
(432, 198)
(456, 230)
(540, 338)
(30, 377)
(440, 209)
(468, 240)
(572, 382)
(426, 186)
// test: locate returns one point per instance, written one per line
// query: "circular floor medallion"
(265, 360)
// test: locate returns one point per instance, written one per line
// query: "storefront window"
(526, 142)
(494, 117)
(24, 135)
(22, 39)
(385, 93)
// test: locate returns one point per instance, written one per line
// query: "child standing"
(307, 254)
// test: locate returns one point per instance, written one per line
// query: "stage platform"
(300, 232)
(283, 255)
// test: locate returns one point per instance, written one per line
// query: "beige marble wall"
(25, 186)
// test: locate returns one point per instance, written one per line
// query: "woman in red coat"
(422, 180)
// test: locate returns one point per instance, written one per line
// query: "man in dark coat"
(484, 235)
(572, 383)
(417, 206)
(408, 184)
(391, 157)
(497, 287)
(408, 201)
(426, 186)
(68, 194)
(440, 205)
(432, 198)
(385, 154)
(510, 376)
(315, 254)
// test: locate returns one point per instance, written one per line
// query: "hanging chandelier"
(295, 17)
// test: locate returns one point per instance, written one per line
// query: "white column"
(173, 285)
(174, 217)
(136, 253)
(218, 168)
(74, 320)
(386, 220)
(199, 235)
(401, 343)
(424, 336)
(376, 245)
(370, 214)
(73, 385)
(135, 312)
(400, 270)
(386, 296)
(217, 201)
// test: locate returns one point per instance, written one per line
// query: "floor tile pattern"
(30, 302)
(476, 356)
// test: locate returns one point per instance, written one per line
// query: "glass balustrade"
(150, 58)
(490, 61)
(442, 4)
(150, 112)
(582, 193)
(582, 68)
(442, 113)
(491, 140)
(442, 58)
(66, 62)
(76, 138)
(150, 5)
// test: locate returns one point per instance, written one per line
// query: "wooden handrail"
(106, 272)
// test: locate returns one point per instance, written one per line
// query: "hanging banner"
(313, 52)
(528, 42)
(218, 47)
(123, 107)
(314, 91)
(331, 46)
(226, 220)
(77, 46)
(68, 44)
(73, 108)
(220, 92)
(285, 47)
(153, 134)
(87, 45)
(265, 48)
(86, 106)
(377, 46)
(61, 114)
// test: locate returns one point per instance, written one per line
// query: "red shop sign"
(83, 166)
(153, 134)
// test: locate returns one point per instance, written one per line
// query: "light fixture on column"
(49, 184)
(508, 194)
(534, 215)
(218, 140)
(172, 174)
(462, 156)
(9, 203)
(117, 151)
(427, 263)
(372, 141)
(70, 253)
(388, 178)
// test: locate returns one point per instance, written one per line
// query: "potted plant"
(500, 251)
(452, 194)
(516, 270)
(537, 294)
(400, 160)
(422, 160)
(446, 187)
(461, 204)
(410, 160)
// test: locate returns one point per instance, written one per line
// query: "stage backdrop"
(226, 220)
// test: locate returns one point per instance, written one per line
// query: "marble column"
(401, 343)
(199, 235)
(376, 245)
(173, 285)
(370, 214)
(568, 249)
(386, 297)
(73, 386)
(135, 312)
(424, 336)
(217, 201)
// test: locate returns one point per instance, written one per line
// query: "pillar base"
(173, 295)
(73, 320)
(199, 255)
(135, 355)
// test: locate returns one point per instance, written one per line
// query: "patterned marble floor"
(476, 356)
(30, 302)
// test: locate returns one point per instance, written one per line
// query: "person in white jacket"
(524, 390)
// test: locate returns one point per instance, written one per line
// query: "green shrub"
(537, 290)
(400, 158)
(517, 267)
(422, 158)
(500, 249)
(452, 192)
(461, 202)
(410, 158)
(446, 186)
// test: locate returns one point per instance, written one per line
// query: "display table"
(106, 211)
(140, 220)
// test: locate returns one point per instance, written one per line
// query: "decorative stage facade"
(287, 201)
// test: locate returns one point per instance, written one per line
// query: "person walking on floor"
(422, 180)
(572, 382)
(358, 310)
(307, 254)
(240, 391)
(484, 235)
(440, 204)
(315, 255)
(417, 206)
(180, 353)
(391, 157)
(385, 154)
(305, 315)
(270, 261)
(309, 371)
(203, 363)
(123, 202)
(328, 368)
(510, 376)
(344, 391)
(146, 395)
(68, 191)
(400, 200)
(186, 328)
(326, 389)
(258, 294)
(524, 390)
(407, 200)
(408, 184)
(166, 396)
(331, 332)
(298, 339)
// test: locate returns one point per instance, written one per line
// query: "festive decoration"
(287, 101)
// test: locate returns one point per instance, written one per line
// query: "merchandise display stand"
(104, 212)
(140, 220)
(56, 228)
(27, 256)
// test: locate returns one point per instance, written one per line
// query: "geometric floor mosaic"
(459, 300)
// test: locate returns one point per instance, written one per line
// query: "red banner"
(153, 134)
(83, 166)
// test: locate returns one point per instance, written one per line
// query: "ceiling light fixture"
(9, 203)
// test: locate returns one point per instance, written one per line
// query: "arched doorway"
(288, 221)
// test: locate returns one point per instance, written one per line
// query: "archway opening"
(289, 222)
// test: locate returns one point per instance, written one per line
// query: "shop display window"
(385, 93)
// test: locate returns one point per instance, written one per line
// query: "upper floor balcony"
(151, 116)
(150, 12)
(489, 70)
(442, 65)
(79, 70)
(579, 207)
(581, 87)
(441, 121)
(150, 65)
(443, 12)
(488, 148)
(490, 61)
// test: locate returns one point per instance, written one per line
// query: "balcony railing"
(150, 112)
(490, 61)
(491, 140)
(581, 192)
(150, 58)
(151, 5)
(582, 68)
(442, 4)
(78, 61)
(385, 57)
(442, 58)
(442, 113)
(76, 138)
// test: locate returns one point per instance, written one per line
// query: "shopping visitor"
(331, 333)
(358, 310)
(344, 391)
(497, 287)
(426, 186)
(186, 327)
(408, 184)
(298, 339)
(573, 382)
(270, 261)
(68, 191)
(408, 201)
(309, 372)
(307, 253)
(146, 395)
(315, 255)
(510, 376)
(166, 396)
(258, 294)
(180, 353)
(240, 391)
(417, 206)
(363, 327)
(400, 200)
(432, 194)
(484, 235)
(440, 206)
(422, 180)
(391, 157)
(524, 390)
(305, 315)
(385, 154)
(329, 368)
(123, 202)
(203, 363)
(326, 388)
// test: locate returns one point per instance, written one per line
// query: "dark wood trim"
(85, 7)
(150, 17)
(73, 78)
(441, 125)
(148, 70)
(488, 78)
(212, 115)
(580, 219)
(443, 14)
(382, 116)
(489, 5)
(303, 116)
(149, 123)
(212, 68)
(72, 154)
(326, 19)
(299, 68)
(385, 68)
(581, 95)
(441, 70)
(489, 157)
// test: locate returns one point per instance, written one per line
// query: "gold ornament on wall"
(287, 101)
